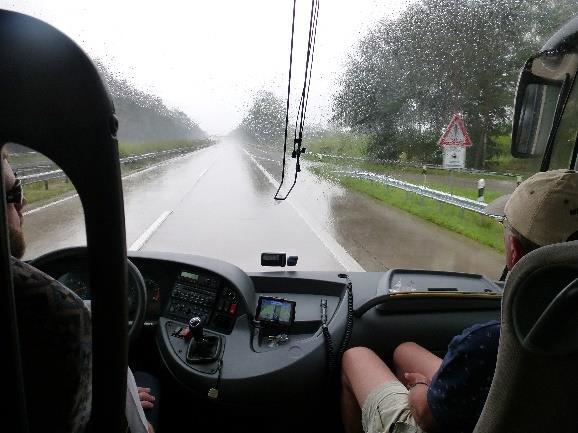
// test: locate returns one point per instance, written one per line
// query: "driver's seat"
(535, 386)
(56, 351)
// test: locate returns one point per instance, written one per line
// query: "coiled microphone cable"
(334, 358)
(349, 321)
(328, 339)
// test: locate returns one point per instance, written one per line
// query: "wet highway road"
(218, 202)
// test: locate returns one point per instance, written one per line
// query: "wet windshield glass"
(407, 129)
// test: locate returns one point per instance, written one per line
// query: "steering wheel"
(70, 267)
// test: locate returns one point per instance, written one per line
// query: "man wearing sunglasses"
(422, 392)
(137, 398)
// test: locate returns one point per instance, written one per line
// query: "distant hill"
(144, 117)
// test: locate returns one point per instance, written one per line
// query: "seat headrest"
(544, 299)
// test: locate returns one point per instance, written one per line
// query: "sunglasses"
(15, 195)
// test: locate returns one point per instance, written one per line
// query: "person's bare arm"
(418, 386)
(150, 428)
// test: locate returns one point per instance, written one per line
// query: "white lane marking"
(54, 203)
(160, 164)
(146, 235)
(267, 159)
(138, 244)
(334, 247)
(196, 181)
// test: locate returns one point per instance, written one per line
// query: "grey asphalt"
(218, 202)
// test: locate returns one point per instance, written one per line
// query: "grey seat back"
(56, 351)
(535, 386)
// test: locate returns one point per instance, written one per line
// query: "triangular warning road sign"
(455, 134)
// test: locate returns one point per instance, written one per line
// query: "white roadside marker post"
(481, 188)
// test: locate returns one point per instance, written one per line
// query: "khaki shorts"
(386, 410)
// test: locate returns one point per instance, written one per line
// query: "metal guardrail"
(414, 165)
(57, 174)
(444, 197)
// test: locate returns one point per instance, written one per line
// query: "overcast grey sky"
(207, 58)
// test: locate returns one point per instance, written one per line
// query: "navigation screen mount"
(275, 312)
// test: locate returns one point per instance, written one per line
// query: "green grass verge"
(489, 196)
(20, 159)
(353, 145)
(55, 187)
(124, 150)
(43, 191)
(393, 168)
(480, 228)
(338, 144)
(130, 149)
(388, 168)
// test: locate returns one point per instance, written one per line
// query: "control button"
(233, 309)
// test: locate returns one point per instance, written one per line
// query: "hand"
(146, 399)
(417, 399)
(411, 379)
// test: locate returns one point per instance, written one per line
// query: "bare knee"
(351, 358)
(404, 350)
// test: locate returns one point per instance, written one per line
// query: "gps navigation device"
(275, 312)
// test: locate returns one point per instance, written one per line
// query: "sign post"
(454, 141)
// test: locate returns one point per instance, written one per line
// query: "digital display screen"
(276, 311)
(189, 275)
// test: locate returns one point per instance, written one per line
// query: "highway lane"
(214, 202)
(380, 236)
(231, 214)
(218, 202)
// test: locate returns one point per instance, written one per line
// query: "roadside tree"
(408, 75)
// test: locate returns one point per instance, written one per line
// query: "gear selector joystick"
(202, 349)
(196, 328)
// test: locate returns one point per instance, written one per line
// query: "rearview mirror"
(540, 86)
(533, 119)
